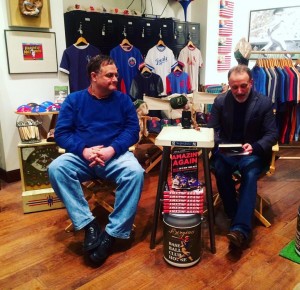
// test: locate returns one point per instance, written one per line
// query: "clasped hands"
(98, 155)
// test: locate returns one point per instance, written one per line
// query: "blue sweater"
(85, 121)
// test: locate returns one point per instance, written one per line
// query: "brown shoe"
(237, 238)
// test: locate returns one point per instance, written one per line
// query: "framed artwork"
(276, 29)
(32, 13)
(30, 52)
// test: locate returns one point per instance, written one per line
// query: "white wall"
(24, 88)
(21, 89)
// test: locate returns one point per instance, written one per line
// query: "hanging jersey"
(149, 84)
(178, 82)
(74, 62)
(161, 60)
(192, 59)
(127, 63)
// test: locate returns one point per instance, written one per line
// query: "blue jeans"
(68, 171)
(240, 210)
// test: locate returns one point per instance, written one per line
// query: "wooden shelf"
(37, 114)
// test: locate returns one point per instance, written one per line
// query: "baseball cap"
(92, 8)
(75, 7)
(54, 107)
(38, 109)
(23, 108)
(47, 104)
(32, 104)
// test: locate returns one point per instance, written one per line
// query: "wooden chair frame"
(99, 190)
(150, 137)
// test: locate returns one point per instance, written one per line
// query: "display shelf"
(37, 114)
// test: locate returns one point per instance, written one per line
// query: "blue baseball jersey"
(178, 82)
(127, 63)
(74, 62)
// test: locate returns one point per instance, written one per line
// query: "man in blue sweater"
(96, 126)
(242, 116)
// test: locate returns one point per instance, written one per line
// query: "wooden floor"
(36, 253)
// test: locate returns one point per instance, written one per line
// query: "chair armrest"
(275, 147)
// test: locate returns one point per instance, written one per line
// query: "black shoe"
(237, 238)
(104, 249)
(92, 236)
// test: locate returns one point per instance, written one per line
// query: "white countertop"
(177, 136)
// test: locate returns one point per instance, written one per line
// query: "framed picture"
(35, 13)
(276, 29)
(30, 52)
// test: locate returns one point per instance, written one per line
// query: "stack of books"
(183, 201)
(185, 193)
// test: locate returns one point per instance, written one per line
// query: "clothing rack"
(268, 55)
(274, 52)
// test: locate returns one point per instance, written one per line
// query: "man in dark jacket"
(241, 116)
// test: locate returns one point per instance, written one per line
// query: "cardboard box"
(40, 200)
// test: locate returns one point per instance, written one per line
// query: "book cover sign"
(184, 169)
(60, 93)
(32, 51)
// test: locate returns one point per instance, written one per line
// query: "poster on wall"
(225, 34)
(30, 51)
(225, 27)
(225, 44)
(276, 29)
(226, 9)
(224, 62)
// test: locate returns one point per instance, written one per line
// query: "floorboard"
(36, 252)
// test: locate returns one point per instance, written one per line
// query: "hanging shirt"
(273, 85)
(192, 59)
(74, 62)
(259, 80)
(280, 85)
(161, 60)
(149, 84)
(127, 62)
(178, 82)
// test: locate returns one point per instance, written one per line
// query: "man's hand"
(98, 155)
(247, 148)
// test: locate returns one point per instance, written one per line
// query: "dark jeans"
(240, 210)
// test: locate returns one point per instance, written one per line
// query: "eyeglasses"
(111, 75)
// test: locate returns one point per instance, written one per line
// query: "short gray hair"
(240, 69)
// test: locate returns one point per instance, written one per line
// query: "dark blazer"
(260, 125)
